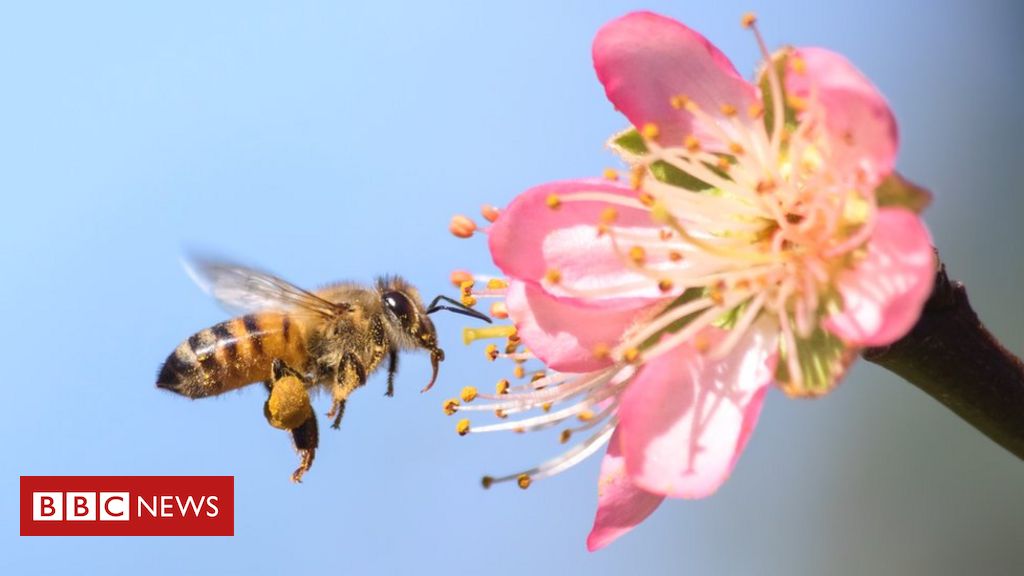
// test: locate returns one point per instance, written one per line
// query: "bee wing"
(247, 289)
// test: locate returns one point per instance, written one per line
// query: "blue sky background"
(332, 141)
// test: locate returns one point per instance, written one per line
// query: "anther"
(490, 213)
(748, 19)
(765, 186)
(797, 65)
(459, 277)
(692, 144)
(610, 174)
(496, 284)
(499, 413)
(553, 201)
(486, 482)
(462, 428)
(736, 148)
(602, 351)
(728, 110)
(585, 415)
(638, 255)
(650, 130)
(678, 101)
(723, 163)
(553, 276)
(469, 300)
(565, 436)
(524, 481)
(467, 286)
(501, 387)
(461, 226)
(665, 285)
(491, 351)
(796, 103)
(675, 256)
(499, 310)
(546, 407)
(451, 406)
(755, 110)
(631, 355)
(468, 394)
(608, 215)
(636, 177)
(646, 199)
(519, 371)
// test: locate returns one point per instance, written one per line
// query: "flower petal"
(862, 129)
(564, 333)
(685, 419)
(644, 60)
(884, 294)
(531, 238)
(620, 504)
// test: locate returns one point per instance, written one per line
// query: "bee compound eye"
(398, 303)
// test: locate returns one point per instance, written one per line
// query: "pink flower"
(748, 248)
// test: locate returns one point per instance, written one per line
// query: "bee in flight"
(294, 340)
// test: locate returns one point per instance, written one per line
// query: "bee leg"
(306, 438)
(392, 370)
(349, 376)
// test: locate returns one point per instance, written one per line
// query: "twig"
(952, 357)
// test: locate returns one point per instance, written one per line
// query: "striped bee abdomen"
(232, 354)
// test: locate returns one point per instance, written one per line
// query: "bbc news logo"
(127, 505)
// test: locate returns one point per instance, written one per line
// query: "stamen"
(468, 394)
(451, 406)
(553, 276)
(553, 201)
(610, 174)
(490, 213)
(462, 427)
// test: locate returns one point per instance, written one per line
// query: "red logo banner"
(127, 505)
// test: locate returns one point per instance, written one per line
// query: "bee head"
(409, 320)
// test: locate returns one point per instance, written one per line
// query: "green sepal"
(898, 191)
(669, 174)
(628, 143)
(822, 357)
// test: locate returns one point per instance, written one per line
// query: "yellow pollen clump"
(467, 286)
(553, 276)
(461, 226)
(460, 277)
(565, 436)
(469, 300)
(490, 213)
(650, 130)
(546, 406)
(462, 427)
(748, 19)
(755, 110)
(491, 351)
(499, 310)
(496, 284)
(451, 406)
(601, 350)
(692, 144)
(736, 148)
(678, 101)
(519, 371)
(502, 386)
(610, 174)
(537, 376)
(468, 394)
(665, 285)
(675, 256)
(798, 65)
(638, 255)
(524, 481)
(553, 202)
(585, 415)
(631, 355)
(728, 110)
(486, 482)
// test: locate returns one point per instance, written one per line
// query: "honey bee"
(294, 340)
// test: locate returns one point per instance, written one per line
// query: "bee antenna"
(458, 308)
